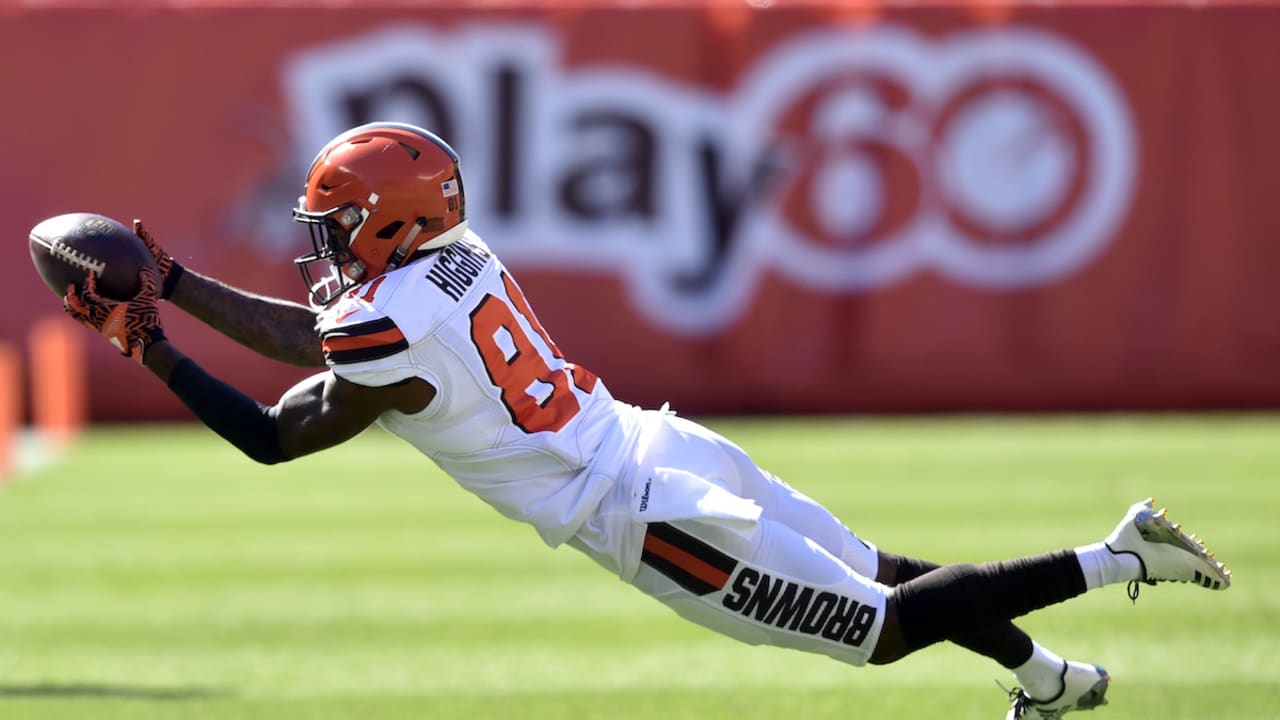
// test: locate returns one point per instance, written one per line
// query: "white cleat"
(1084, 687)
(1166, 553)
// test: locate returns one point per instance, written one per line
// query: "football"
(65, 248)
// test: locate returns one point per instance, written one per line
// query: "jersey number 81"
(538, 397)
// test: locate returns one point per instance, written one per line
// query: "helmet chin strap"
(402, 251)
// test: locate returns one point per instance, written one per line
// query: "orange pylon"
(59, 379)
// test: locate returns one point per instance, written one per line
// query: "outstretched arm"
(319, 412)
(274, 328)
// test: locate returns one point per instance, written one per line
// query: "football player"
(425, 331)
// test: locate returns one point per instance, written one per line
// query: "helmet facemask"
(332, 232)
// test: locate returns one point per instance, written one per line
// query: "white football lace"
(77, 258)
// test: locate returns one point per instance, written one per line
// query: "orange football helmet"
(374, 196)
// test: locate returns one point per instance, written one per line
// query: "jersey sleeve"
(364, 345)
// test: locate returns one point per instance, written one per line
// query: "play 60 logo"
(843, 160)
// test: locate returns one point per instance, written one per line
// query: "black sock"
(956, 602)
(1004, 642)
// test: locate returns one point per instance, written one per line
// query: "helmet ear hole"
(389, 230)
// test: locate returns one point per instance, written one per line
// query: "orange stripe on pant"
(686, 562)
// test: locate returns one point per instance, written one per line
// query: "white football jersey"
(513, 421)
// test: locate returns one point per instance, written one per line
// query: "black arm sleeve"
(238, 418)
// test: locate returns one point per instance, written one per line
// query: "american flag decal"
(449, 187)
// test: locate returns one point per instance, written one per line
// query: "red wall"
(802, 208)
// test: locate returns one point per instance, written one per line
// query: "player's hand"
(131, 325)
(170, 269)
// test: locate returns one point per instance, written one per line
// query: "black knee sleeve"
(903, 568)
(955, 600)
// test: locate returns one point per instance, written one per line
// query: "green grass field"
(155, 573)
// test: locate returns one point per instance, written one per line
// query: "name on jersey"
(786, 604)
(456, 268)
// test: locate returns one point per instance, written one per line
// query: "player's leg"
(705, 531)
(948, 602)
(790, 525)
(1045, 679)
(766, 586)
(955, 599)
(1039, 670)
(794, 576)
(721, 461)
(770, 584)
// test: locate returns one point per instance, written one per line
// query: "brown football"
(65, 248)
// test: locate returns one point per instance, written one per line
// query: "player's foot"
(1166, 553)
(1084, 687)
